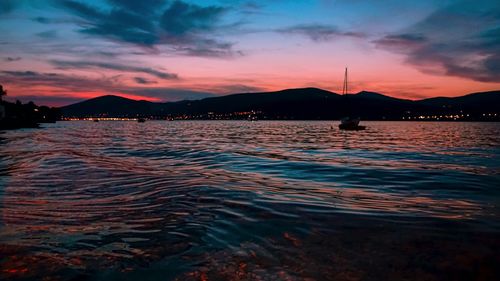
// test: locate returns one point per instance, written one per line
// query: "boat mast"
(345, 89)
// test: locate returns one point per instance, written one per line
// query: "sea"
(241, 200)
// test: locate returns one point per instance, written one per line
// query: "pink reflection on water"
(121, 196)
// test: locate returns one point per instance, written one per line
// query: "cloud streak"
(28, 79)
(113, 66)
(61, 85)
(144, 81)
(471, 49)
(12, 59)
(319, 33)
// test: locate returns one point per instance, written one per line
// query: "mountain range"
(302, 103)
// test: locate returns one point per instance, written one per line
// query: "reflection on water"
(249, 201)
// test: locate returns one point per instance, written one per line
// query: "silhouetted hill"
(109, 106)
(475, 102)
(373, 95)
(286, 104)
(303, 103)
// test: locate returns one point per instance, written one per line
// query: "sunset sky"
(57, 52)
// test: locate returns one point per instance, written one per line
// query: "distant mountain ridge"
(109, 105)
(301, 103)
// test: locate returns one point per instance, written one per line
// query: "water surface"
(233, 200)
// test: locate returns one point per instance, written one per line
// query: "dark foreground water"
(250, 201)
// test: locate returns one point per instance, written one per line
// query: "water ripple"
(122, 196)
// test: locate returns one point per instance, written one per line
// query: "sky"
(57, 52)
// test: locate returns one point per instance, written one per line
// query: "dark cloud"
(182, 18)
(45, 20)
(319, 33)
(42, 20)
(62, 82)
(402, 41)
(7, 6)
(11, 59)
(83, 10)
(453, 42)
(23, 73)
(144, 81)
(117, 24)
(50, 34)
(139, 6)
(183, 27)
(113, 66)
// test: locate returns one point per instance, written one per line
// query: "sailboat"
(349, 123)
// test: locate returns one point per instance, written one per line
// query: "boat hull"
(351, 127)
(351, 124)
